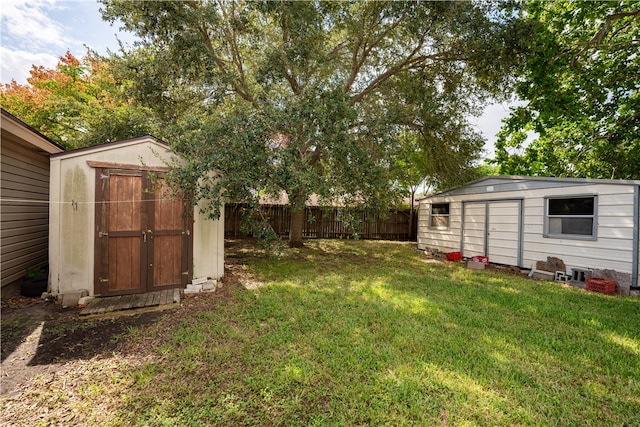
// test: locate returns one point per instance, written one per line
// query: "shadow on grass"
(59, 335)
(19, 324)
(372, 335)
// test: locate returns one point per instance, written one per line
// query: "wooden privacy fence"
(327, 223)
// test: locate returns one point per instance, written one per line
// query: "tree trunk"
(297, 221)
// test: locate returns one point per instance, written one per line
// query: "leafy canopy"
(580, 82)
(313, 97)
(78, 103)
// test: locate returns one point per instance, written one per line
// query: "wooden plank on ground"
(138, 300)
(91, 307)
(165, 296)
(113, 304)
(126, 301)
(156, 298)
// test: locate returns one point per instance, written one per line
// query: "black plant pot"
(33, 287)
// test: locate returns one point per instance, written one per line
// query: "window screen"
(573, 216)
(440, 215)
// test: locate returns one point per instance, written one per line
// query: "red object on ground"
(479, 258)
(603, 286)
(454, 256)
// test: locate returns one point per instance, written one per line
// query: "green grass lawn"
(370, 333)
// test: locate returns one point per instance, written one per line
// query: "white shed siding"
(474, 229)
(443, 240)
(504, 231)
(613, 248)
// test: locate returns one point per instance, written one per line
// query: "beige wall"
(208, 246)
(24, 191)
(72, 215)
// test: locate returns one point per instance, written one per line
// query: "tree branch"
(367, 48)
(597, 39)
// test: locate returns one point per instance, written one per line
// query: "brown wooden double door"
(143, 234)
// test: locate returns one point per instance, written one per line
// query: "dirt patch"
(40, 337)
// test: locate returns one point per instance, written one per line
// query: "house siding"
(24, 190)
(612, 249)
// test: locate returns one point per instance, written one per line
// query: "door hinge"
(185, 273)
(103, 280)
(101, 234)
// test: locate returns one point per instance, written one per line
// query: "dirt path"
(39, 337)
(49, 353)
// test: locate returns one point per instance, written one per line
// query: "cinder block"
(475, 265)
(191, 291)
(543, 275)
(209, 285)
(194, 288)
(82, 302)
(71, 299)
(199, 281)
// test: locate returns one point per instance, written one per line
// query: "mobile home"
(590, 224)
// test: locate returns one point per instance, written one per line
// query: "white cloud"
(16, 64)
(29, 26)
(490, 122)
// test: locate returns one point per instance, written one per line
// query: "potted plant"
(35, 282)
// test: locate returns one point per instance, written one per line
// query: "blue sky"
(40, 31)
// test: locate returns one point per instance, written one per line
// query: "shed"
(591, 224)
(116, 230)
(24, 198)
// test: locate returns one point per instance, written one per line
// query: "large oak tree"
(313, 97)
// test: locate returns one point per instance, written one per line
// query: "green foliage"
(581, 88)
(310, 97)
(36, 273)
(78, 103)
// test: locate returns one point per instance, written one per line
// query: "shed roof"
(110, 146)
(497, 184)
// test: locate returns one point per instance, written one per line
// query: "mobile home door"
(493, 229)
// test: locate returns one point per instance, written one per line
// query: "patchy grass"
(368, 333)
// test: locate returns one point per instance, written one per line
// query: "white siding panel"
(504, 232)
(612, 249)
(474, 229)
(614, 231)
(442, 240)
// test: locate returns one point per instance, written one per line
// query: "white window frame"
(447, 215)
(593, 216)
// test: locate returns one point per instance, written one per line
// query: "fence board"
(326, 223)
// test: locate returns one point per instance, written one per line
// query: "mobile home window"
(439, 215)
(571, 217)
